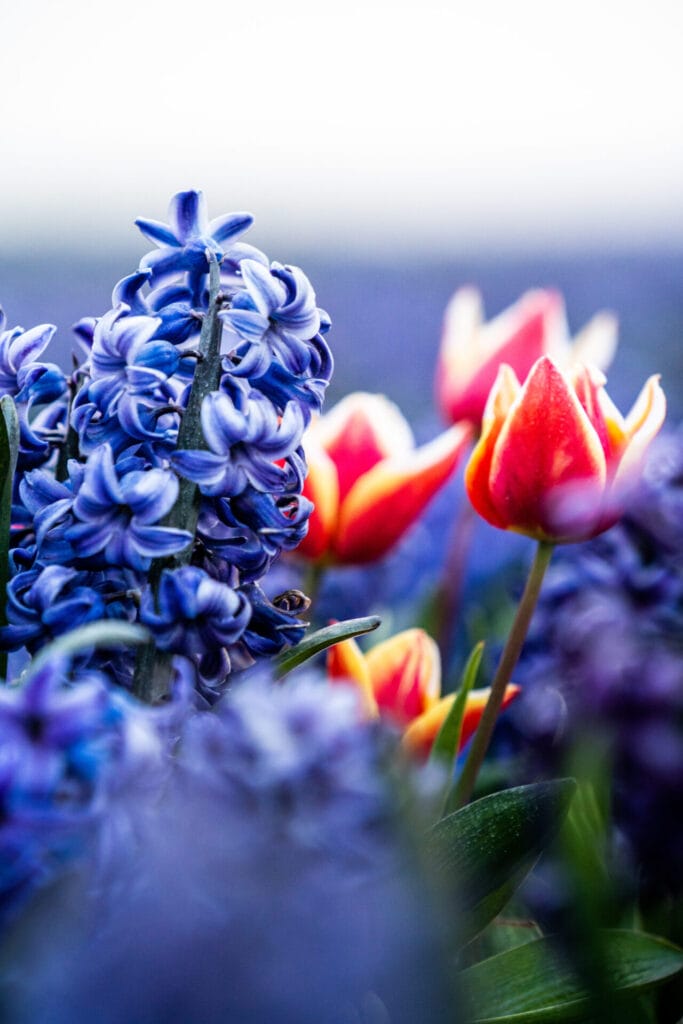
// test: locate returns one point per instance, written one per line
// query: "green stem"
(312, 582)
(508, 660)
(152, 681)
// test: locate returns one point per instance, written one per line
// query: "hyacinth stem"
(508, 660)
(152, 679)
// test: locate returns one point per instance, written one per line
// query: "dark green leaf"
(446, 744)
(489, 846)
(320, 641)
(535, 984)
(9, 447)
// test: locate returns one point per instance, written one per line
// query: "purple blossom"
(246, 438)
(276, 315)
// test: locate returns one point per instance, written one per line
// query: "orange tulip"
(472, 351)
(367, 480)
(556, 460)
(400, 679)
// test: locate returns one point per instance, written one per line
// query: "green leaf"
(488, 847)
(447, 741)
(535, 983)
(105, 633)
(320, 641)
(9, 447)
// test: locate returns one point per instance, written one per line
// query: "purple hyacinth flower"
(246, 438)
(18, 349)
(184, 241)
(276, 316)
(115, 516)
(193, 613)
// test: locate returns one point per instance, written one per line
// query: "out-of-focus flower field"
(341, 634)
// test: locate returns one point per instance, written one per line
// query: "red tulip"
(556, 460)
(367, 480)
(472, 351)
(400, 679)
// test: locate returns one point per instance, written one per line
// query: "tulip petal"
(322, 488)
(405, 674)
(388, 499)
(359, 432)
(596, 343)
(546, 443)
(478, 471)
(589, 384)
(347, 663)
(420, 735)
(642, 424)
(471, 354)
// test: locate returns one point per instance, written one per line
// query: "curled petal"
(188, 216)
(642, 424)
(388, 499)
(420, 735)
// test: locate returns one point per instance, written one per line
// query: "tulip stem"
(508, 660)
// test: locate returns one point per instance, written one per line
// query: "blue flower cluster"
(159, 481)
(64, 748)
(605, 658)
(294, 898)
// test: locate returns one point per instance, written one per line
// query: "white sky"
(357, 125)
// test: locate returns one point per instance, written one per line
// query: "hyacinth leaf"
(535, 983)
(488, 847)
(321, 640)
(9, 447)
(447, 741)
(106, 633)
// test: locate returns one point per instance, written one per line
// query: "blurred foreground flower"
(400, 679)
(269, 882)
(556, 460)
(473, 351)
(367, 480)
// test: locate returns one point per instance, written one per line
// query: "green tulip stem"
(503, 675)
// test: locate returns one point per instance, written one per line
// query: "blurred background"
(394, 150)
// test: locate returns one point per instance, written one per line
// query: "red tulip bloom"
(472, 351)
(368, 481)
(556, 460)
(400, 679)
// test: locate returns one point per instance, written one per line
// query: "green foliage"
(320, 641)
(488, 847)
(535, 983)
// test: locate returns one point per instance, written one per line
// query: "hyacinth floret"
(246, 438)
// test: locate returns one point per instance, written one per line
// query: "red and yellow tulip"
(368, 481)
(556, 459)
(400, 679)
(472, 351)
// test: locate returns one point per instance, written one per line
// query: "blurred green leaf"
(9, 448)
(106, 633)
(535, 984)
(488, 847)
(320, 641)
(445, 746)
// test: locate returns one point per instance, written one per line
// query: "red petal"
(518, 337)
(361, 431)
(547, 442)
(385, 502)
(478, 470)
(405, 672)
(322, 488)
